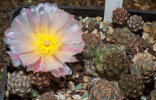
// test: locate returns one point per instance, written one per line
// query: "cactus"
(132, 86)
(115, 65)
(120, 16)
(40, 80)
(92, 43)
(18, 83)
(48, 96)
(153, 29)
(101, 55)
(144, 69)
(124, 36)
(135, 23)
(104, 90)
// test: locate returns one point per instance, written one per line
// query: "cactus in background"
(153, 29)
(104, 90)
(131, 85)
(124, 36)
(135, 23)
(18, 83)
(120, 16)
(115, 65)
(144, 69)
(101, 55)
(92, 43)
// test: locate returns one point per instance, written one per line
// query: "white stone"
(62, 97)
(71, 85)
(154, 47)
(145, 35)
(57, 97)
(110, 30)
(76, 97)
(151, 40)
(69, 98)
(85, 79)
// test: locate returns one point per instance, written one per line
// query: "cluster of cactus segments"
(124, 36)
(135, 23)
(144, 69)
(153, 29)
(40, 79)
(131, 86)
(120, 16)
(115, 65)
(101, 54)
(92, 44)
(104, 90)
(18, 83)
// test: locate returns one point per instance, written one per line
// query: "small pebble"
(86, 79)
(154, 47)
(69, 98)
(98, 18)
(71, 85)
(62, 97)
(85, 95)
(76, 97)
(84, 86)
(78, 87)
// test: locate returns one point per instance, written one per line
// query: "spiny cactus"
(124, 36)
(101, 55)
(92, 43)
(40, 80)
(144, 69)
(135, 23)
(18, 83)
(104, 90)
(153, 29)
(132, 86)
(115, 65)
(120, 16)
(48, 96)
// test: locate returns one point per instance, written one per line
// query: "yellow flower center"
(45, 42)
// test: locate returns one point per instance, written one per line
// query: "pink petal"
(59, 19)
(35, 66)
(52, 63)
(62, 71)
(29, 58)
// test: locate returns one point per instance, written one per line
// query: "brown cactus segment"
(120, 16)
(40, 80)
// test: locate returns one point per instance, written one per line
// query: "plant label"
(110, 5)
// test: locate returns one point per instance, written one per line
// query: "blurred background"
(6, 6)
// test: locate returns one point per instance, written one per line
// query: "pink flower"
(43, 38)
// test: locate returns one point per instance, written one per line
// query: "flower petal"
(62, 71)
(39, 14)
(59, 19)
(29, 58)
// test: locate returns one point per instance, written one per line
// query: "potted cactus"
(74, 55)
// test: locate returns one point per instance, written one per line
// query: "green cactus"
(104, 90)
(131, 85)
(101, 54)
(144, 69)
(92, 43)
(115, 65)
(124, 36)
